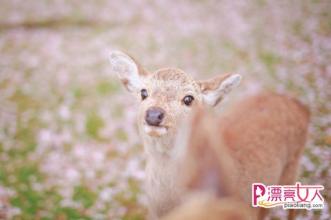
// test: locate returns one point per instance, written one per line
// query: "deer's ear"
(128, 70)
(215, 89)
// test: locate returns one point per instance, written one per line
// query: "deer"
(265, 134)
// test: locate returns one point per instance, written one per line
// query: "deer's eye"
(143, 94)
(187, 100)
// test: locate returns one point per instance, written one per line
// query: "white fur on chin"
(155, 131)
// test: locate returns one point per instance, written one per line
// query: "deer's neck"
(158, 148)
(162, 158)
(163, 161)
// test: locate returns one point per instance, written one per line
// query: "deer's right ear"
(127, 70)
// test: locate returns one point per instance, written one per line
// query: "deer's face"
(167, 95)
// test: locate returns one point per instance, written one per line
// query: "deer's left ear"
(215, 89)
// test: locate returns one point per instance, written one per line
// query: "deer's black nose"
(154, 116)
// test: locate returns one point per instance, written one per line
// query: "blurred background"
(69, 147)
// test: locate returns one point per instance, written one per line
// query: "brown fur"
(262, 139)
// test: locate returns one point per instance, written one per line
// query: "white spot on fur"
(155, 131)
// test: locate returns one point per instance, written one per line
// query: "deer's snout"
(154, 116)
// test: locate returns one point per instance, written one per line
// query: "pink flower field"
(69, 145)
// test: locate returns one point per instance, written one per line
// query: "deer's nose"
(154, 116)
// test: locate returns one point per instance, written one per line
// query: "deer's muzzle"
(154, 116)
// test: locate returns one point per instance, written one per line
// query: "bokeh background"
(69, 147)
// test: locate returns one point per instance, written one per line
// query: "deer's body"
(259, 139)
(263, 136)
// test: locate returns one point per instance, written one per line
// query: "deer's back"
(264, 133)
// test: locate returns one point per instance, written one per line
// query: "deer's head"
(167, 95)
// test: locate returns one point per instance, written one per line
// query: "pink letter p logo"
(258, 190)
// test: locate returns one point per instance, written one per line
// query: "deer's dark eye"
(144, 94)
(187, 100)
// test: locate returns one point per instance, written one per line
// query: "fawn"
(258, 139)
(265, 135)
(167, 95)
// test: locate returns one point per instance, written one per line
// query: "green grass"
(93, 125)
(85, 196)
(107, 88)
